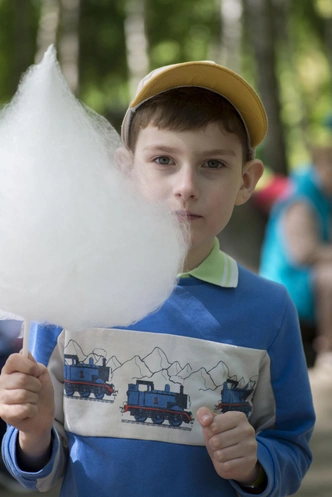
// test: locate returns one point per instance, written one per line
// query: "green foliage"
(179, 31)
(18, 28)
(305, 76)
(103, 68)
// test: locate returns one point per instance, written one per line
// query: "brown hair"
(189, 108)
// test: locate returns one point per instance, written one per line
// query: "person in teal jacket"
(208, 396)
(297, 250)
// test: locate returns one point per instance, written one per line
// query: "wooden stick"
(26, 329)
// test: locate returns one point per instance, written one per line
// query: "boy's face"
(201, 176)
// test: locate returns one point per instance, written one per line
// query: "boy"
(209, 396)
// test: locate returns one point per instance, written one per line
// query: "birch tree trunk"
(231, 33)
(69, 42)
(59, 22)
(47, 28)
(136, 43)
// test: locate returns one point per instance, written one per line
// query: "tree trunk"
(47, 28)
(328, 40)
(136, 43)
(231, 33)
(69, 42)
(286, 50)
(261, 30)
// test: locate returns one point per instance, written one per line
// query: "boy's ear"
(252, 171)
(124, 160)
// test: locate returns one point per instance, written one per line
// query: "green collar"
(218, 268)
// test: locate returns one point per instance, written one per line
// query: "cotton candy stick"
(26, 330)
(80, 246)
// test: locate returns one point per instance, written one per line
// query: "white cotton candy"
(79, 246)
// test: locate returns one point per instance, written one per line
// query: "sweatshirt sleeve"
(41, 480)
(45, 346)
(283, 439)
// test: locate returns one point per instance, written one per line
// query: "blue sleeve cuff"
(32, 480)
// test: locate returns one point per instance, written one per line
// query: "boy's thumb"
(37, 369)
(30, 356)
(205, 416)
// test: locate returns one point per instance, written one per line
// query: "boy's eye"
(164, 160)
(213, 164)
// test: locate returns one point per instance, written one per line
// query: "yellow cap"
(208, 75)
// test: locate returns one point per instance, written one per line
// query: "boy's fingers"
(21, 381)
(20, 396)
(19, 363)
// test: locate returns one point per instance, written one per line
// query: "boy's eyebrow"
(170, 150)
(219, 151)
(159, 148)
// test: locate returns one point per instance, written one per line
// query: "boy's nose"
(186, 185)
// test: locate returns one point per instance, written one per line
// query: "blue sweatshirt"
(126, 399)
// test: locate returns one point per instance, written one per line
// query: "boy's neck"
(196, 255)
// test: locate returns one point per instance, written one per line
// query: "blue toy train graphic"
(87, 378)
(234, 398)
(144, 401)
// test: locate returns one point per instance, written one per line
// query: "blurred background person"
(297, 251)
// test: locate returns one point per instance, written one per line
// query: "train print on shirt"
(150, 386)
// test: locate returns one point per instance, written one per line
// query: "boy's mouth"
(187, 216)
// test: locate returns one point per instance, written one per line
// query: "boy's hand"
(27, 396)
(231, 443)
